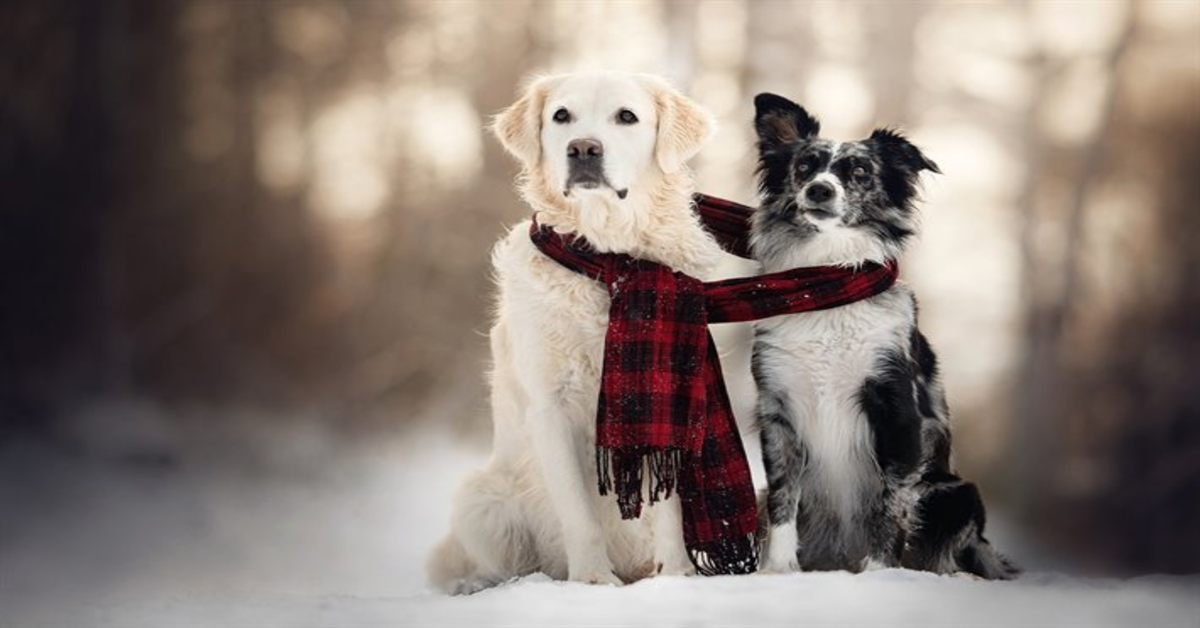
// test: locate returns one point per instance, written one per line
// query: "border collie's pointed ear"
(519, 127)
(683, 125)
(898, 150)
(780, 121)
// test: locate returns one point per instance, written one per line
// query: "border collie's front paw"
(780, 551)
(776, 566)
(877, 564)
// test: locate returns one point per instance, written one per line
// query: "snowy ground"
(318, 535)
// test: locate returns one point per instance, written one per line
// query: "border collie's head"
(829, 202)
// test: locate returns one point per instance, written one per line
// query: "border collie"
(854, 422)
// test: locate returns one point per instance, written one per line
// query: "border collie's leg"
(784, 460)
(889, 402)
(887, 528)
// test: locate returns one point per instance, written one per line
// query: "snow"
(323, 534)
(880, 598)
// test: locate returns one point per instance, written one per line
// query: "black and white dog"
(854, 422)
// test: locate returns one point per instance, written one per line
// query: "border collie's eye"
(804, 166)
(859, 172)
(626, 116)
(562, 116)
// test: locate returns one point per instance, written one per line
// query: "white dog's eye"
(859, 172)
(626, 116)
(562, 116)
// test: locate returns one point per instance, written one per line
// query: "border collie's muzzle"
(585, 166)
(819, 199)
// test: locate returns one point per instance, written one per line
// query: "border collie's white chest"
(819, 362)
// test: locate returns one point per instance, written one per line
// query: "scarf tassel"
(726, 556)
(624, 469)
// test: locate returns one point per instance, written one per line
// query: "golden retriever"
(603, 156)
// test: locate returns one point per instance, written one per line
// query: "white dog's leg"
(570, 495)
(670, 553)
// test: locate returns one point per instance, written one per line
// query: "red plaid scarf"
(663, 403)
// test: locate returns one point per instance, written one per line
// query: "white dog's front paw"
(675, 566)
(876, 564)
(595, 576)
(671, 557)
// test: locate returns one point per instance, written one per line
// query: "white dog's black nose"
(819, 192)
(585, 149)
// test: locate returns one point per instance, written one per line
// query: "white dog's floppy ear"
(519, 127)
(683, 127)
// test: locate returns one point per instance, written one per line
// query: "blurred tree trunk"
(93, 89)
(1093, 154)
(1032, 385)
(779, 49)
(408, 353)
(680, 17)
(893, 28)
(1051, 286)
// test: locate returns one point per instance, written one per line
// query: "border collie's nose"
(585, 149)
(819, 192)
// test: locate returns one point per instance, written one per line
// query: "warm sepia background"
(244, 283)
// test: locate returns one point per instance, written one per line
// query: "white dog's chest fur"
(819, 362)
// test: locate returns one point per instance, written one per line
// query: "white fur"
(781, 547)
(536, 507)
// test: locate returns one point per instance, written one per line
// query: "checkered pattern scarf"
(663, 404)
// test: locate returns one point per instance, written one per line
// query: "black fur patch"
(948, 510)
(927, 367)
(780, 121)
(887, 400)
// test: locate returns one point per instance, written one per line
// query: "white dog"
(603, 157)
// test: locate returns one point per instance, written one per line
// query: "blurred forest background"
(222, 212)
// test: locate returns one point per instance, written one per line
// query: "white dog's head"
(602, 142)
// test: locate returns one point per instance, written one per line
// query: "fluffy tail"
(489, 542)
(949, 534)
(980, 558)
(449, 566)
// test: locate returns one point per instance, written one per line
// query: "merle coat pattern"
(853, 418)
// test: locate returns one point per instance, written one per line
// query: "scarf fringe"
(624, 469)
(726, 556)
